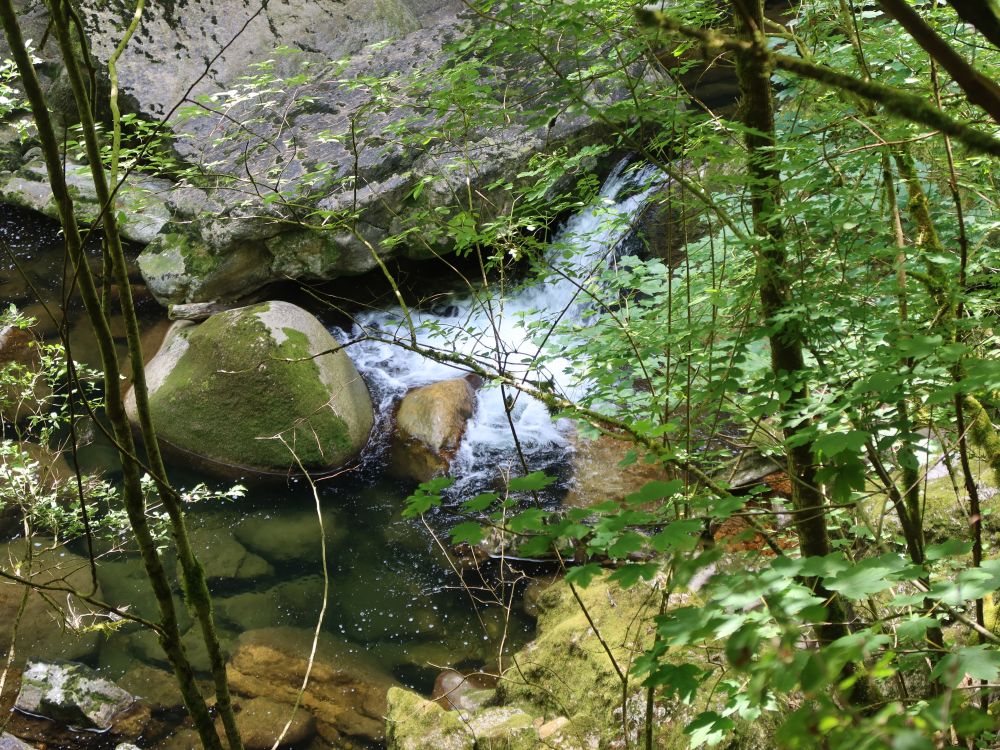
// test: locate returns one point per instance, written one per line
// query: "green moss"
(232, 397)
(414, 723)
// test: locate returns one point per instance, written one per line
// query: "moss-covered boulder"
(566, 677)
(414, 723)
(250, 386)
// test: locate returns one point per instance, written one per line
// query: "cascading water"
(504, 330)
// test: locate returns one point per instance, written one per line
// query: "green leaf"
(867, 577)
(480, 502)
(679, 536)
(536, 480)
(980, 662)
(655, 490)
(584, 574)
(709, 728)
(950, 548)
(631, 573)
(833, 443)
(469, 532)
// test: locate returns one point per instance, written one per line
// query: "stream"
(394, 595)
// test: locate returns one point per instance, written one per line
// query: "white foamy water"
(503, 328)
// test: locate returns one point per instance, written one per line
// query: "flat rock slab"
(72, 694)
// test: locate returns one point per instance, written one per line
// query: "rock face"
(346, 692)
(430, 423)
(72, 694)
(250, 385)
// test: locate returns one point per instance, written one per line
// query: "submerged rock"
(248, 387)
(50, 627)
(291, 536)
(430, 423)
(346, 691)
(261, 721)
(72, 694)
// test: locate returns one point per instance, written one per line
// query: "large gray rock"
(140, 203)
(249, 386)
(72, 694)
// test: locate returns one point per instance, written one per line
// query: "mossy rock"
(566, 671)
(414, 723)
(249, 386)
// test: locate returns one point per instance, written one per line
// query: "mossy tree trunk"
(132, 494)
(786, 338)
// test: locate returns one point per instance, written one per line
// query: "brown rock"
(262, 720)
(430, 423)
(598, 474)
(346, 692)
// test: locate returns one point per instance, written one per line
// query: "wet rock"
(10, 742)
(49, 628)
(533, 592)
(430, 423)
(504, 727)
(261, 721)
(72, 694)
(156, 686)
(249, 386)
(224, 558)
(598, 474)
(346, 691)
(460, 692)
(145, 645)
(749, 469)
(291, 537)
(414, 723)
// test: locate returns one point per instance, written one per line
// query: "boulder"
(51, 627)
(71, 694)
(598, 473)
(430, 423)
(346, 691)
(249, 386)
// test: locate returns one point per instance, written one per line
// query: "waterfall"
(500, 329)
